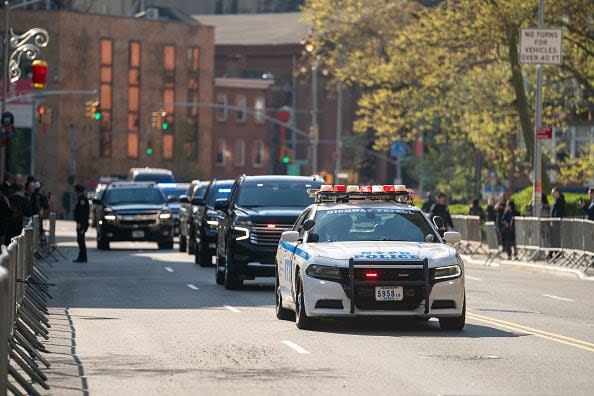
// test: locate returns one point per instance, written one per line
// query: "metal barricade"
(550, 234)
(4, 322)
(461, 225)
(588, 237)
(493, 242)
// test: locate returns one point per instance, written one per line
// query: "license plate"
(388, 293)
(137, 234)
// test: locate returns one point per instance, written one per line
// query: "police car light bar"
(343, 193)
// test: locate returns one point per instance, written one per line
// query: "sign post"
(540, 46)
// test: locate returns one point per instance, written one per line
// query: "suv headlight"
(109, 217)
(447, 272)
(165, 215)
(243, 223)
(323, 272)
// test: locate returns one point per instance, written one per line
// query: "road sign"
(541, 46)
(545, 132)
(398, 149)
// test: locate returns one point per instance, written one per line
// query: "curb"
(544, 268)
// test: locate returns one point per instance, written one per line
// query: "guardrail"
(23, 313)
(566, 241)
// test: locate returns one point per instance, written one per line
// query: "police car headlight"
(447, 272)
(323, 272)
(109, 217)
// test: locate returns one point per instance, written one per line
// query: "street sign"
(541, 46)
(545, 132)
(398, 149)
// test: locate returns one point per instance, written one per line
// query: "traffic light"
(93, 110)
(164, 122)
(149, 149)
(39, 74)
(285, 155)
(44, 114)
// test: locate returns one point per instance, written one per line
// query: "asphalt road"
(138, 321)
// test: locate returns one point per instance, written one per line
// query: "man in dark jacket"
(21, 205)
(427, 203)
(440, 209)
(81, 216)
(588, 206)
(559, 207)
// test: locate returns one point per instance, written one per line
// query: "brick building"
(137, 66)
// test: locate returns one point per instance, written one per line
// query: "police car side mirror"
(308, 225)
(452, 237)
(290, 236)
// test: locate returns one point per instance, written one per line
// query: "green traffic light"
(97, 115)
(165, 126)
(286, 160)
(149, 151)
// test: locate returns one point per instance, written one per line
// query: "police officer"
(81, 216)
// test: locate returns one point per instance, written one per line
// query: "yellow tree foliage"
(457, 64)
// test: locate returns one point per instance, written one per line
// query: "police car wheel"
(281, 312)
(182, 243)
(232, 280)
(456, 323)
(302, 321)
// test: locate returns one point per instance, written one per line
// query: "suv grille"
(262, 234)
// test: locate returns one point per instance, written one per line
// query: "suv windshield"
(276, 193)
(154, 177)
(372, 224)
(134, 195)
(219, 191)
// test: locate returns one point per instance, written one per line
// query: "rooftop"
(256, 29)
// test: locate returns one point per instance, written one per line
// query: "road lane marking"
(472, 278)
(588, 346)
(191, 286)
(295, 347)
(232, 309)
(168, 269)
(557, 297)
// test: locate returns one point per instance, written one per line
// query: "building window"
(133, 98)
(259, 154)
(259, 108)
(239, 152)
(221, 154)
(105, 95)
(241, 103)
(222, 112)
(168, 99)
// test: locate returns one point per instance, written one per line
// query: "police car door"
(286, 263)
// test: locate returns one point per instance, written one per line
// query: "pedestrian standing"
(6, 216)
(559, 208)
(491, 215)
(427, 203)
(440, 208)
(508, 232)
(588, 207)
(21, 206)
(476, 210)
(81, 216)
(545, 208)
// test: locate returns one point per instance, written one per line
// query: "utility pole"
(294, 108)
(338, 165)
(537, 185)
(314, 116)
(6, 44)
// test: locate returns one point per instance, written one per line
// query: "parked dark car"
(259, 209)
(134, 212)
(187, 241)
(173, 191)
(206, 220)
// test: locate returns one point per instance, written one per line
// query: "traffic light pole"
(315, 135)
(537, 187)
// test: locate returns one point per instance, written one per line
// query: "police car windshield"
(276, 193)
(219, 191)
(372, 224)
(134, 195)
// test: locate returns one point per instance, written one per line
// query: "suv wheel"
(456, 323)
(102, 242)
(281, 312)
(201, 256)
(302, 321)
(166, 245)
(219, 272)
(232, 280)
(182, 243)
(191, 242)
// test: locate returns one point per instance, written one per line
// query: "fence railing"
(567, 241)
(24, 291)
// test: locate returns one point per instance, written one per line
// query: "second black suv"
(259, 209)
(134, 212)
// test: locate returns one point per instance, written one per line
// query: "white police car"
(366, 250)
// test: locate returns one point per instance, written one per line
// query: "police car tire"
(456, 323)
(282, 313)
(302, 321)
(182, 243)
(232, 280)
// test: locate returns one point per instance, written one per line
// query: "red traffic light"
(40, 111)
(39, 77)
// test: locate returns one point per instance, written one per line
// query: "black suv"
(187, 241)
(259, 209)
(130, 211)
(206, 220)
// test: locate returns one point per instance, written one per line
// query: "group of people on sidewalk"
(19, 200)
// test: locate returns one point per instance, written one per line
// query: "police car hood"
(436, 253)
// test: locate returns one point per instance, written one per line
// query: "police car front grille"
(262, 234)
